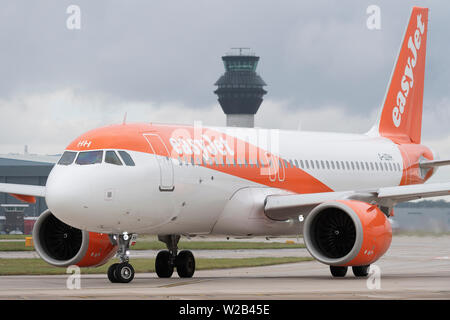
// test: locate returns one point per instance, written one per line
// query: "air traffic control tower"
(240, 89)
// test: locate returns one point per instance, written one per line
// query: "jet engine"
(347, 233)
(62, 245)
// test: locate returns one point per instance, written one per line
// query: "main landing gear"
(167, 260)
(358, 271)
(122, 272)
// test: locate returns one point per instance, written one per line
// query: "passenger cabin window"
(67, 158)
(89, 157)
(127, 158)
(111, 157)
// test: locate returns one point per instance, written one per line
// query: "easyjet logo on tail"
(407, 81)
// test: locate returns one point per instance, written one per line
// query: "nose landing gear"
(122, 272)
(167, 260)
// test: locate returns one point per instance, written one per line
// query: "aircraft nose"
(67, 196)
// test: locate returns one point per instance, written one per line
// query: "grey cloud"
(313, 53)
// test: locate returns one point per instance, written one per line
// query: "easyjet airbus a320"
(338, 190)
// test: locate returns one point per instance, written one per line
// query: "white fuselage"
(216, 198)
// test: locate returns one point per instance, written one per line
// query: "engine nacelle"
(347, 233)
(62, 245)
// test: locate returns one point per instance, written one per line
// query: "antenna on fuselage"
(124, 119)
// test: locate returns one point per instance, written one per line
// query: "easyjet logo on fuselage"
(407, 81)
(204, 146)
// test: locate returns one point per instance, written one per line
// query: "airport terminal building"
(16, 215)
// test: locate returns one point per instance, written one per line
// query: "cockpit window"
(126, 158)
(67, 158)
(89, 157)
(111, 157)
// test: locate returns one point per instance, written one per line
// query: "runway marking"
(442, 258)
(181, 283)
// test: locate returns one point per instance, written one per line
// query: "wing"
(282, 207)
(434, 163)
(23, 192)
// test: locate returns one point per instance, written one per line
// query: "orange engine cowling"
(347, 233)
(62, 245)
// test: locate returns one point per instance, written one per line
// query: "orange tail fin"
(401, 117)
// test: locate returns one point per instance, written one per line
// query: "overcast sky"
(158, 60)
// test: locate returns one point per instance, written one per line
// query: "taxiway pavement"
(413, 268)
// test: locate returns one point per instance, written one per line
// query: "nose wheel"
(122, 272)
(167, 260)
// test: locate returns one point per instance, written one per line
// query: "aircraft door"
(164, 160)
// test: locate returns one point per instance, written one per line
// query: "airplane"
(338, 190)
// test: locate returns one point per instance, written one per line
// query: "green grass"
(40, 267)
(14, 246)
(189, 245)
(13, 236)
(216, 245)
